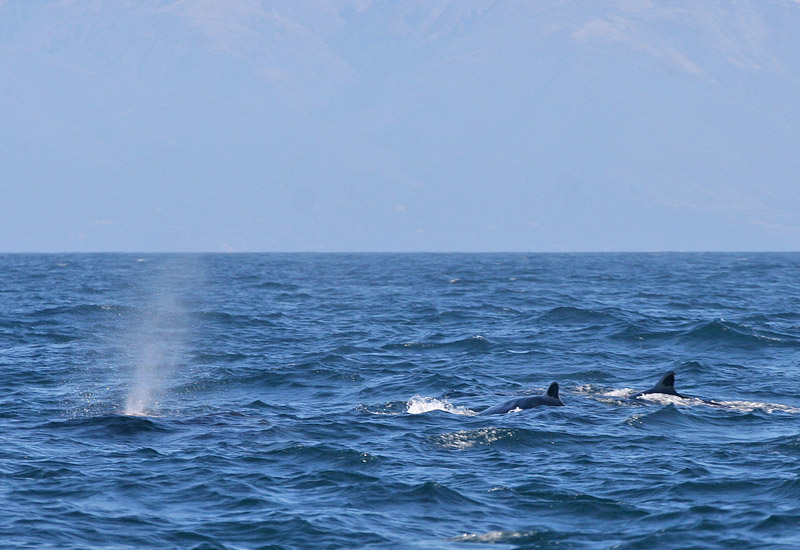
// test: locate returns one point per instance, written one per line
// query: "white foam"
(741, 406)
(470, 438)
(420, 405)
(377, 413)
(492, 537)
(626, 393)
(664, 399)
(614, 396)
(623, 393)
(750, 406)
(606, 396)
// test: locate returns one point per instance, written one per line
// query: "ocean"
(324, 401)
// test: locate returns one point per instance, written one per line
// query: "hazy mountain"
(376, 125)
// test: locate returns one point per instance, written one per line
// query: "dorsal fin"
(668, 380)
(552, 391)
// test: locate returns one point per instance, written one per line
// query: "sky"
(415, 125)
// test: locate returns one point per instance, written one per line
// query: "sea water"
(289, 401)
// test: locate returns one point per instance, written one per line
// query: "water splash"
(624, 394)
(419, 405)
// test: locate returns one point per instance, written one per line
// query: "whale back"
(549, 398)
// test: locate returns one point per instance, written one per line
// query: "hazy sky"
(435, 125)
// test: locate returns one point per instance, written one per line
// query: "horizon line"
(233, 252)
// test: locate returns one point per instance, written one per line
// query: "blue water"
(327, 401)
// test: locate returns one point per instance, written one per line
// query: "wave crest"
(420, 405)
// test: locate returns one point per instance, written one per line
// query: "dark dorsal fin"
(666, 386)
(668, 380)
(552, 391)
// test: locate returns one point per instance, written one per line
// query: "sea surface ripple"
(289, 401)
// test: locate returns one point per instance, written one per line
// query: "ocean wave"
(35, 334)
(730, 333)
(336, 479)
(787, 444)
(773, 317)
(217, 358)
(274, 285)
(516, 538)
(466, 439)
(713, 334)
(660, 419)
(81, 310)
(569, 315)
(329, 454)
(42, 472)
(237, 320)
(778, 522)
(513, 439)
(472, 344)
(428, 493)
(393, 408)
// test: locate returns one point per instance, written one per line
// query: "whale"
(666, 386)
(548, 398)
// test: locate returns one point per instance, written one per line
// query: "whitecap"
(492, 537)
(665, 399)
(419, 405)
